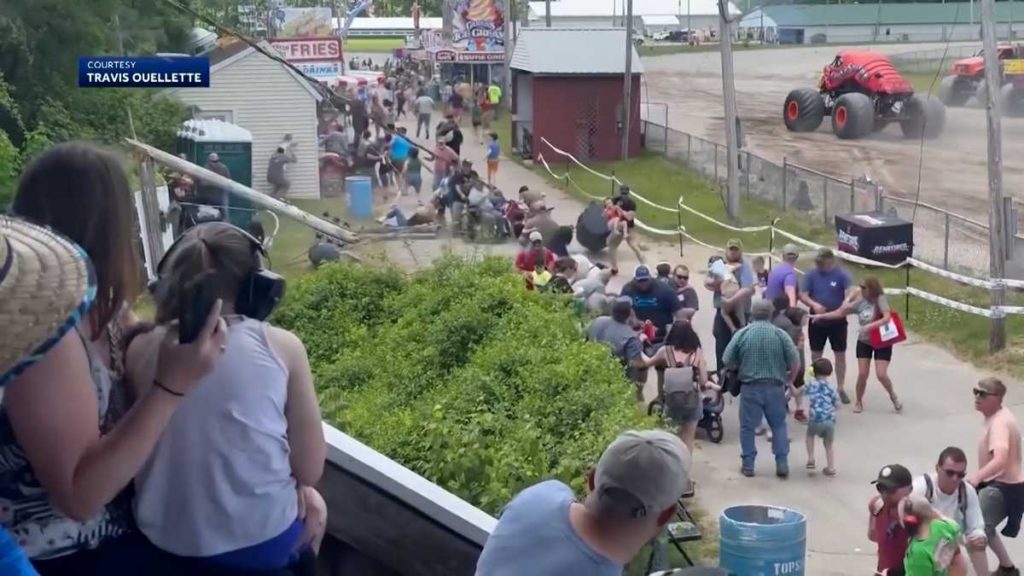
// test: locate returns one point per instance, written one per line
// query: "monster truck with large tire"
(863, 93)
(967, 76)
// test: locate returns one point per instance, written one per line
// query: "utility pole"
(996, 218)
(547, 13)
(732, 197)
(627, 90)
(689, 26)
(525, 23)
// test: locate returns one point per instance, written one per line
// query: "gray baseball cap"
(642, 473)
(762, 309)
(790, 250)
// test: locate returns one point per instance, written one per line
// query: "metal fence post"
(785, 172)
(665, 132)
(824, 201)
(716, 162)
(679, 219)
(945, 245)
(748, 174)
(689, 147)
(612, 182)
(853, 196)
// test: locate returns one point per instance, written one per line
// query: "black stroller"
(710, 422)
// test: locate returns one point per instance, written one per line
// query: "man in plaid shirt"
(767, 362)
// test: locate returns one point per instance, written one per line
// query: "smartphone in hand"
(195, 301)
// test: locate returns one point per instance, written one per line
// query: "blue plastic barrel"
(359, 192)
(762, 541)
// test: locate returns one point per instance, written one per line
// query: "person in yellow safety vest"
(494, 97)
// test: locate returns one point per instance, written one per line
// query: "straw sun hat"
(47, 284)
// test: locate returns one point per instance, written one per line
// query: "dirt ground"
(952, 168)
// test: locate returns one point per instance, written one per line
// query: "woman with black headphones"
(227, 485)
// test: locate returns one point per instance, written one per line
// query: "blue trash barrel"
(359, 193)
(762, 541)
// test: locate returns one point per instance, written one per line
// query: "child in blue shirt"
(822, 399)
(493, 154)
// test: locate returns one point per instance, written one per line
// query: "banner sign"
(301, 23)
(308, 49)
(320, 70)
(478, 26)
(445, 56)
(143, 72)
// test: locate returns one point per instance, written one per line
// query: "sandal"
(858, 407)
(811, 465)
(690, 491)
(830, 472)
(896, 404)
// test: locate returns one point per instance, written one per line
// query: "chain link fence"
(941, 238)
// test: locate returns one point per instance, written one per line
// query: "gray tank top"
(220, 478)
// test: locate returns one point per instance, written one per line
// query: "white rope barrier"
(987, 284)
(720, 223)
(606, 177)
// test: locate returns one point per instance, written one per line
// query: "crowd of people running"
(936, 523)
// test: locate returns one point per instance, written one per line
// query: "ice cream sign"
(478, 25)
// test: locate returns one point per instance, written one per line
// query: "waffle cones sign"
(478, 28)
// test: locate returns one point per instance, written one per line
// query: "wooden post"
(262, 200)
(151, 214)
(996, 219)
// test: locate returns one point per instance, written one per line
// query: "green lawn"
(373, 44)
(966, 335)
(924, 82)
(294, 239)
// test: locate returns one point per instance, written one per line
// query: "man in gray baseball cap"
(633, 494)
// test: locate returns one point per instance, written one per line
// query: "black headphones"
(260, 292)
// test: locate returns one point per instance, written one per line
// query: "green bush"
(461, 374)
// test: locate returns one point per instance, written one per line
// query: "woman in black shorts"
(872, 310)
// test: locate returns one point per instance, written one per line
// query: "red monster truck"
(863, 93)
(967, 77)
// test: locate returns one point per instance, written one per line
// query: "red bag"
(887, 334)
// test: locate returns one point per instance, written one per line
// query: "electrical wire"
(924, 127)
(327, 93)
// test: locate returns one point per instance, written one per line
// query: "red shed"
(567, 87)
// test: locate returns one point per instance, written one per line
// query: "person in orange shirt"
(999, 478)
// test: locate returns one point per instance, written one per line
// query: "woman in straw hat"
(67, 451)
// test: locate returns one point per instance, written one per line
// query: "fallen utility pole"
(261, 200)
(996, 217)
(627, 90)
(732, 192)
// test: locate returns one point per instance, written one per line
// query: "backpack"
(961, 495)
(681, 393)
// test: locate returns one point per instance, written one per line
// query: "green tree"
(40, 41)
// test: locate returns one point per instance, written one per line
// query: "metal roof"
(790, 16)
(599, 8)
(660, 20)
(573, 51)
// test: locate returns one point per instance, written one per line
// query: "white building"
(856, 23)
(701, 14)
(269, 100)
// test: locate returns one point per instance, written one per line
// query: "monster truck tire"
(951, 91)
(1012, 101)
(981, 94)
(804, 110)
(924, 117)
(853, 116)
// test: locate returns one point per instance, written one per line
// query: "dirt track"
(953, 173)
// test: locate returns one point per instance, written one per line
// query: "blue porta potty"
(359, 193)
(762, 541)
